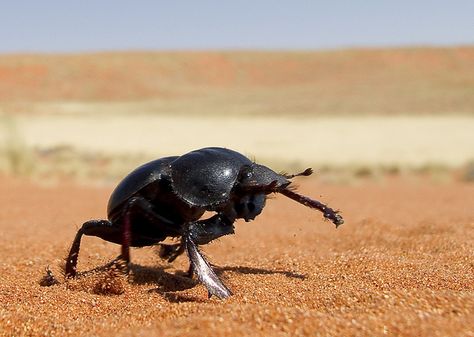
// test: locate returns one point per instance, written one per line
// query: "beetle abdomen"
(138, 179)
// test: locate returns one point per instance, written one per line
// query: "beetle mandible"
(167, 198)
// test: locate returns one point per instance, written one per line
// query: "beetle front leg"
(204, 272)
(205, 231)
(201, 232)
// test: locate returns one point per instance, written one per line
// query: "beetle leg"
(170, 252)
(126, 236)
(204, 231)
(101, 228)
(204, 272)
(144, 207)
(108, 231)
(201, 232)
(138, 204)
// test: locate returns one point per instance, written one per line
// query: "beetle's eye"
(245, 174)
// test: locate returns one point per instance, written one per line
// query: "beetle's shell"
(138, 179)
(205, 178)
(202, 178)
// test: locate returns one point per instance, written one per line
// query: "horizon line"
(243, 49)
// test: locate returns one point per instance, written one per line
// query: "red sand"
(402, 265)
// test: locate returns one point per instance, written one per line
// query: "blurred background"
(89, 90)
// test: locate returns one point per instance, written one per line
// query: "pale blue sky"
(96, 25)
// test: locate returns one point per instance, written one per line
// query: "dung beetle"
(167, 198)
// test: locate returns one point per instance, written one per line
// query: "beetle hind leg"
(100, 228)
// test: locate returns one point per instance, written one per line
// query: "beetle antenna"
(327, 211)
(307, 172)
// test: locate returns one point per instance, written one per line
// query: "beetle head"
(259, 178)
(249, 193)
(256, 181)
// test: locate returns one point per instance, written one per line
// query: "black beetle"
(168, 196)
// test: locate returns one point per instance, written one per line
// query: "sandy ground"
(401, 265)
(398, 141)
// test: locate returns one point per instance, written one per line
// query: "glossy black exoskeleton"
(167, 198)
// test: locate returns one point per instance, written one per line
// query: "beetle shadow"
(167, 282)
(169, 285)
(258, 271)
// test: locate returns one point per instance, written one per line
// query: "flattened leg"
(205, 231)
(203, 270)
